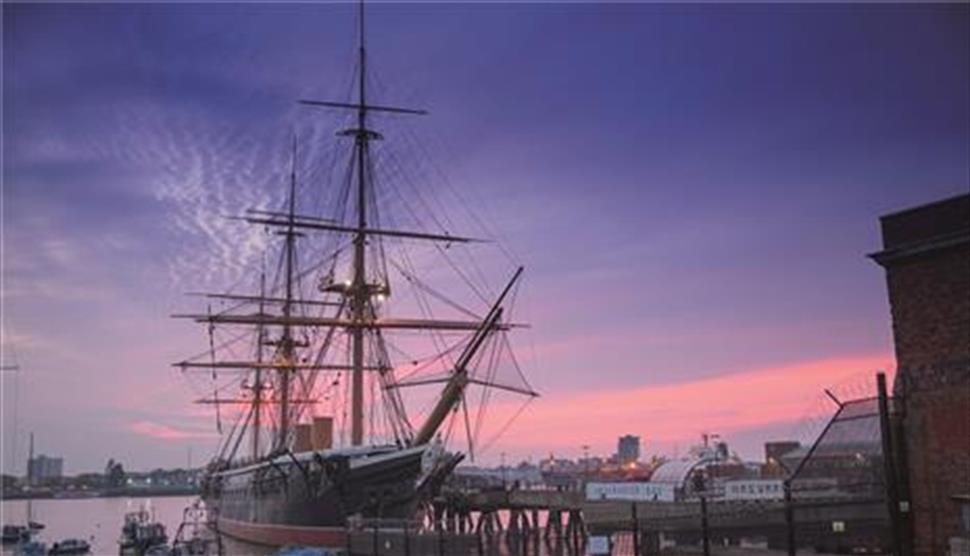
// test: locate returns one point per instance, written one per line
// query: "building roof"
(923, 229)
(677, 471)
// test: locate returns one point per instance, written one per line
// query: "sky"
(692, 188)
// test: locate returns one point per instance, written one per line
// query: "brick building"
(926, 254)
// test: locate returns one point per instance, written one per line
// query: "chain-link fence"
(831, 497)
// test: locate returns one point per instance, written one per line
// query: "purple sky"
(692, 189)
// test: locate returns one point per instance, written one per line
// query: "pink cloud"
(677, 413)
(165, 432)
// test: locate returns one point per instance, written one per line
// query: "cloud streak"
(677, 413)
(161, 431)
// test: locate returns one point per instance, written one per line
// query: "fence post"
(789, 518)
(704, 531)
(889, 461)
(636, 530)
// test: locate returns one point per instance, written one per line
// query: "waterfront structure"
(628, 449)
(708, 463)
(43, 468)
(754, 489)
(640, 491)
(926, 255)
(775, 450)
(327, 327)
(523, 475)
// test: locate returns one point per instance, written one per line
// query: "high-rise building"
(42, 468)
(628, 449)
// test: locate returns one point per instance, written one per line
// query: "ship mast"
(287, 356)
(258, 382)
(359, 291)
(362, 317)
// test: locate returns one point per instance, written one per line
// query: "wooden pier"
(524, 522)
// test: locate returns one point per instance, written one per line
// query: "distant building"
(926, 254)
(775, 463)
(42, 468)
(632, 491)
(628, 449)
(775, 450)
(754, 489)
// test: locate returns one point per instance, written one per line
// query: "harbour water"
(97, 520)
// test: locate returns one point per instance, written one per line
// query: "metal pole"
(704, 531)
(889, 462)
(902, 465)
(636, 531)
(789, 518)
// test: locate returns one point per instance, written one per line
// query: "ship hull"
(267, 534)
(308, 498)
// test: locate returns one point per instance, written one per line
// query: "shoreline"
(113, 493)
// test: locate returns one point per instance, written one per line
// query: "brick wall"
(927, 259)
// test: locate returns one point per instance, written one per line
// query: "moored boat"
(14, 534)
(70, 546)
(30, 548)
(140, 533)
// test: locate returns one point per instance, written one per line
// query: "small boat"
(195, 546)
(194, 537)
(140, 533)
(35, 525)
(31, 548)
(15, 533)
(70, 546)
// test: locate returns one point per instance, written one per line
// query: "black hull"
(308, 498)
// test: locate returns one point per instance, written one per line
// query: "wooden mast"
(359, 298)
(258, 382)
(286, 342)
(362, 317)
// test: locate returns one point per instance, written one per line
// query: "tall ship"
(316, 367)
